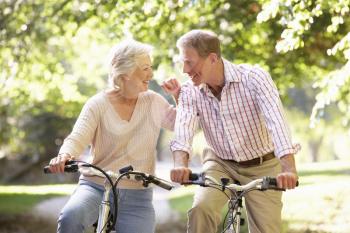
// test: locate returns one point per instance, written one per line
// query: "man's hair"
(123, 59)
(203, 41)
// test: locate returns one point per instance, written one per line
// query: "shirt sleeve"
(271, 107)
(83, 131)
(186, 120)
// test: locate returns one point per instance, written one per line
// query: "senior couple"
(238, 108)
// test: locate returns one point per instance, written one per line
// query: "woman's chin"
(142, 90)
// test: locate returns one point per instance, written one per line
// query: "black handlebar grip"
(161, 183)
(273, 182)
(70, 166)
(194, 176)
(270, 183)
(47, 169)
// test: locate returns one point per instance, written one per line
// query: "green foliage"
(319, 28)
(53, 53)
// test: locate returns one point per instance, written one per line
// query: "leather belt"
(256, 161)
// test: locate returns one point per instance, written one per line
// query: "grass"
(20, 203)
(320, 204)
(21, 198)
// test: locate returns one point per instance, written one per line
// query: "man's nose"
(186, 69)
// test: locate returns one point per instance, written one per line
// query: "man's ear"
(213, 57)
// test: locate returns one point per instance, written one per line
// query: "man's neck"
(217, 81)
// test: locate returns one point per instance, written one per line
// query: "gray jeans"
(135, 210)
(263, 208)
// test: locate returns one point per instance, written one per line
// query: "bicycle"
(106, 220)
(233, 216)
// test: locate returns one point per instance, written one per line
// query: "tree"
(320, 28)
(52, 52)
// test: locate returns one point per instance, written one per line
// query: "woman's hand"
(57, 163)
(172, 86)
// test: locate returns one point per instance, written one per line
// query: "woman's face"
(139, 79)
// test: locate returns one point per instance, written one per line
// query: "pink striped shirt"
(247, 123)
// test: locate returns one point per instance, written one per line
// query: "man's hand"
(180, 173)
(172, 87)
(288, 178)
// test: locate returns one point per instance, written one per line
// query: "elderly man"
(239, 109)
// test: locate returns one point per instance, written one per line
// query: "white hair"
(123, 59)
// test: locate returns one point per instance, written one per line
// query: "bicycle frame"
(235, 201)
(103, 223)
(128, 172)
(234, 218)
(104, 209)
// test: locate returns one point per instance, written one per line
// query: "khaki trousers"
(263, 208)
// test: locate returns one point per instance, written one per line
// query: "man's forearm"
(288, 163)
(180, 158)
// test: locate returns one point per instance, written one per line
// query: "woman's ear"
(125, 77)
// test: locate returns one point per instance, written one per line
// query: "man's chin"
(195, 83)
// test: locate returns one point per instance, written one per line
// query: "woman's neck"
(123, 98)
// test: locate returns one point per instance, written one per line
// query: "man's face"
(194, 65)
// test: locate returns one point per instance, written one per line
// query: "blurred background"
(53, 57)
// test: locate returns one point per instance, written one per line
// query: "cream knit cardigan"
(116, 143)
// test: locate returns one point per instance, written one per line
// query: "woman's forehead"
(144, 60)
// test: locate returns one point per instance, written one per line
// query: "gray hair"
(123, 59)
(203, 41)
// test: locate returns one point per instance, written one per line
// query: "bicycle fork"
(234, 219)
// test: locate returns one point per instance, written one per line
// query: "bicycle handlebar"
(262, 184)
(70, 166)
(73, 166)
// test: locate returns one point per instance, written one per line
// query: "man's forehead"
(188, 54)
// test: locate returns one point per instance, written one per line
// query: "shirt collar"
(231, 74)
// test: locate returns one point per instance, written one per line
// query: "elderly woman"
(122, 125)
